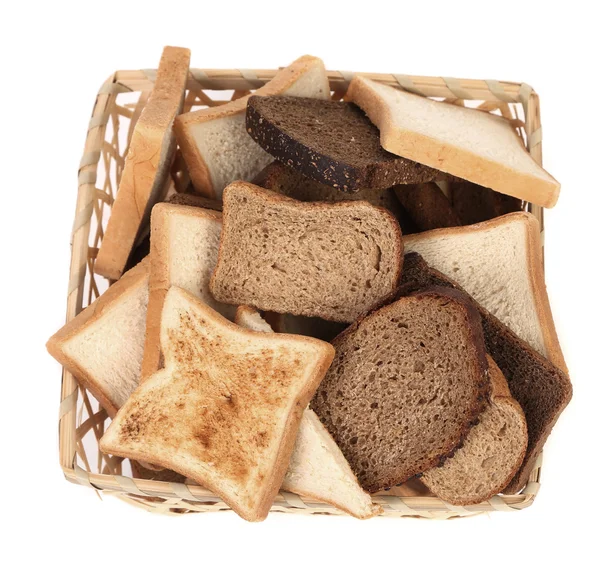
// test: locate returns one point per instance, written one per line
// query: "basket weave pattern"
(118, 105)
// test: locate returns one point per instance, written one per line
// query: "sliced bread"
(104, 344)
(542, 389)
(330, 142)
(318, 469)
(335, 261)
(145, 176)
(466, 143)
(184, 249)
(499, 263)
(491, 454)
(406, 384)
(214, 141)
(474, 203)
(226, 408)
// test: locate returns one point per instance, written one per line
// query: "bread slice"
(226, 408)
(146, 172)
(491, 454)
(542, 389)
(214, 141)
(330, 142)
(474, 203)
(406, 384)
(318, 469)
(466, 143)
(330, 260)
(184, 248)
(103, 345)
(499, 263)
(427, 205)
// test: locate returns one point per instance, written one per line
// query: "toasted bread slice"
(104, 344)
(184, 248)
(335, 261)
(146, 172)
(226, 408)
(214, 141)
(499, 263)
(491, 454)
(464, 142)
(406, 384)
(318, 469)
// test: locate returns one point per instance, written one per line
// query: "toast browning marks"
(225, 409)
(330, 260)
(405, 386)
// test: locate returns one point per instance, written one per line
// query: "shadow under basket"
(118, 105)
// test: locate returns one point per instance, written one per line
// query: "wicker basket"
(118, 105)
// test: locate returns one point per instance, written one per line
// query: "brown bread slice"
(542, 389)
(492, 452)
(406, 384)
(287, 181)
(331, 142)
(335, 261)
(427, 205)
(473, 203)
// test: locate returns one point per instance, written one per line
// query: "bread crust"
(86, 318)
(325, 353)
(151, 142)
(275, 198)
(534, 268)
(455, 161)
(184, 123)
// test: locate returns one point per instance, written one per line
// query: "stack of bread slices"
(347, 296)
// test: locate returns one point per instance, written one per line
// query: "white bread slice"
(499, 263)
(214, 141)
(184, 247)
(226, 408)
(146, 172)
(103, 345)
(475, 145)
(491, 454)
(317, 469)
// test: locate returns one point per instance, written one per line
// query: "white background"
(54, 58)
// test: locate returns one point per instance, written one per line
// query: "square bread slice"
(104, 344)
(335, 261)
(318, 469)
(146, 172)
(226, 408)
(466, 143)
(214, 141)
(184, 244)
(499, 263)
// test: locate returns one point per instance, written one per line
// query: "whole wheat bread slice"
(491, 454)
(474, 145)
(145, 176)
(499, 263)
(104, 344)
(406, 384)
(335, 261)
(226, 408)
(214, 141)
(318, 469)
(542, 389)
(184, 249)
(330, 142)
(474, 203)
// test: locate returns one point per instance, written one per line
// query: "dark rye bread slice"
(540, 388)
(473, 203)
(335, 261)
(287, 181)
(427, 206)
(406, 384)
(331, 142)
